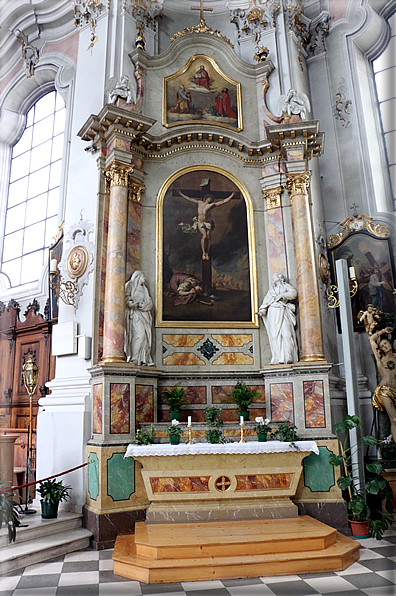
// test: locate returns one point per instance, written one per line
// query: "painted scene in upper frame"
(201, 92)
(206, 270)
(372, 260)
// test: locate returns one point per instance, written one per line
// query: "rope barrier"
(6, 490)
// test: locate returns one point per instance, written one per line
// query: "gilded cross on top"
(201, 9)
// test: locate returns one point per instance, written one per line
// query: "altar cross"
(201, 9)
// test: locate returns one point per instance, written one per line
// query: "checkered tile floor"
(90, 573)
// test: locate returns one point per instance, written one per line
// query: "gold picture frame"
(204, 95)
(185, 252)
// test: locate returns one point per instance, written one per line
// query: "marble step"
(19, 555)
(37, 527)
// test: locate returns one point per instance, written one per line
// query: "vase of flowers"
(262, 428)
(174, 432)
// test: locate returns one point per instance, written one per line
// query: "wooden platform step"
(162, 553)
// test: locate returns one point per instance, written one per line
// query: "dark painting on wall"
(206, 267)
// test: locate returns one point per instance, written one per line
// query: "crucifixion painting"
(206, 250)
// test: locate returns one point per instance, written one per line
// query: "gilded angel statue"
(123, 89)
(294, 103)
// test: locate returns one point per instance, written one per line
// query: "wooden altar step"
(164, 553)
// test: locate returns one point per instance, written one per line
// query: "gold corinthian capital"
(298, 184)
(135, 191)
(272, 196)
(117, 173)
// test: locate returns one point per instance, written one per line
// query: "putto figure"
(279, 318)
(138, 331)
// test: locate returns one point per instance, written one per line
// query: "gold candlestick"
(242, 424)
(190, 441)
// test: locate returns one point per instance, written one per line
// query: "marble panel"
(230, 415)
(120, 477)
(282, 409)
(102, 286)
(196, 415)
(180, 484)
(231, 358)
(295, 154)
(183, 359)
(275, 167)
(314, 404)
(263, 481)
(221, 393)
(93, 475)
(233, 340)
(144, 404)
(182, 341)
(97, 408)
(318, 472)
(133, 238)
(119, 404)
(195, 395)
(276, 241)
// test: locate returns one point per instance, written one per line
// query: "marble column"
(275, 231)
(308, 297)
(114, 308)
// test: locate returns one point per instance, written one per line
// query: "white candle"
(53, 266)
(241, 420)
(352, 273)
(189, 421)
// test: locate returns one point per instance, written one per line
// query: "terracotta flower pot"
(360, 529)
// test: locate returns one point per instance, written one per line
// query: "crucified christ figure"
(204, 220)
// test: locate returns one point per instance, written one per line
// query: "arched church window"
(385, 78)
(33, 194)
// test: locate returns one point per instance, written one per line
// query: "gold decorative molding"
(273, 197)
(202, 27)
(135, 192)
(358, 223)
(118, 173)
(298, 184)
(77, 262)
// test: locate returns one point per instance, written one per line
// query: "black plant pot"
(49, 510)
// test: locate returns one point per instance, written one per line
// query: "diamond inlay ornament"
(222, 483)
(208, 349)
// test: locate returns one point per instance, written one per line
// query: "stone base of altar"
(159, 553)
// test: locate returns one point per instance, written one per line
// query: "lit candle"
(189, 421)
(241, 420)
(53, 266)
(352, 273)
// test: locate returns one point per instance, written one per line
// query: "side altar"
(232, 481)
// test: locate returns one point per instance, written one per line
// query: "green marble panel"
(93, 476)
(120, 477)
(318, 471)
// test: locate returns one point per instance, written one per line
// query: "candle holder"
(190, 441)
(242, 424)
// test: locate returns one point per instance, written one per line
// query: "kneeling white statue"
(138, 328)
(279, 318)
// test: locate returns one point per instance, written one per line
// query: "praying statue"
(279, 318)
(384, 398)
(138, 328)
(294, 103)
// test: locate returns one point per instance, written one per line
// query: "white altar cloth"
(162, 449)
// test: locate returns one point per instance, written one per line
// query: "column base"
(106, 526)
(313, 358)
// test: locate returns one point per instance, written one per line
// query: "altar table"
(206, 482)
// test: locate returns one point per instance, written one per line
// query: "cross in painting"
(203, 222)
(201, 9)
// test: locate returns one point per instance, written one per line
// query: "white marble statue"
(122, 88)
(138, 334)
(279, 318)
(294, 103)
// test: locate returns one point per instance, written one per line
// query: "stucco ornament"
(138, 317)
(121, 89)
(279, 318)
(78, 257)
(294, 103)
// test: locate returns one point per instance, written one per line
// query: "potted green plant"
(214, 433)
(365, 520)
(388, 448)
(174, 397)
(243, 397)
(143, 437)
(9, 512)
(287, 432)
(52, 493)
(262, 429)
(175, 432)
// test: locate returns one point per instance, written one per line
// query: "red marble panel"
(144, 404)
(196, 395)
(263, 481)
(180, 484)
(196, 415)
(230, 415)
(97, 408)
(221, 394)
(119, 408)
(133, 238)
(314, 404)
(103, 258)
(282, 409)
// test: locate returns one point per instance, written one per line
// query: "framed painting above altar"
(200, 93)
(206, 269)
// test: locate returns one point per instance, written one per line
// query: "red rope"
(6, 490)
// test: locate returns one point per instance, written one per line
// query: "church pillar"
(275, 231)
(114, 310)
(307, 287)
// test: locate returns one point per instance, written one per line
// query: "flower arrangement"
(388, 448)
(214, 434)
(174, 429)
(262, 427)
